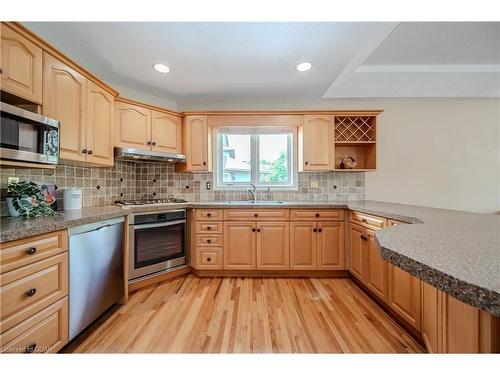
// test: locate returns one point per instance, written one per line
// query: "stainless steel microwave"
(28, 137)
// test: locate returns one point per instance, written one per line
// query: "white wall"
(144, 97)
(431, 152)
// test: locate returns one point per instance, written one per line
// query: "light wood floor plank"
(247, 315)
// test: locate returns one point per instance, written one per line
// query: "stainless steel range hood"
(134, 155)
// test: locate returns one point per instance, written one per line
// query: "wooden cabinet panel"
(404, 293)
(196, 143)
(318, 215)
(209, 240)
(27, 290)
(262, 214)
(99, 125)
(368, 221)
(273, 250)
(376, 267)
(356, 235)
(44, 332)
(318, 143)
(208, 259)
(330, 245)
(431, 322)
(239, 245)
(303, 248)
(208, 227)
(166, 132)
(65, 99)
(21, 65)
(132, 126)
(208, 214)
(26, 251)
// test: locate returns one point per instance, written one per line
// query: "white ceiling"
(227, 61)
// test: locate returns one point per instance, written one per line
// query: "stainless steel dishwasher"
(96, 279)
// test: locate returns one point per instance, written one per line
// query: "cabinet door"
(196, 138)
(273, 250)
(331, 245)
(356, 235)
(404, 294)
(21, 65)
(132, 126)
(303, 246)
(376, 269)
(165, 132)
(65, 99)
(318, 143)
(431, 318)
(99, 125)
(239, 245)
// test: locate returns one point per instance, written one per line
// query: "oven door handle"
(166, 224)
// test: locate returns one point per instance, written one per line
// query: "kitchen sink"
(257, 202)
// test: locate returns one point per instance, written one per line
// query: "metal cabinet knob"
(258, 229)
(253, 229)
(31, 251)
(315, 229)
(154, 143)
(209, 259)
(364, 238)
(91, 152)
(256, 215)
(148, 143)
(209, 241)
(84, 151)
(320, 230)
(31, 292)
(306, 163)
(364, 220)
(317, 215)
(209, 227)
(209, 214)
(204, 163)
(30, 348)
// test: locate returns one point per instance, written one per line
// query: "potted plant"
(26, 199)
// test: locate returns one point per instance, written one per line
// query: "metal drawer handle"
(31, 251)
(31, 292)
(364, 238)
(31, 348)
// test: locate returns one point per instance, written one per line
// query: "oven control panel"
(159, 217)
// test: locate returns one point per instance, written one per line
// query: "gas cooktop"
(146, 202)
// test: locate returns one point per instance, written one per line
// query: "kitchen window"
(265, 157)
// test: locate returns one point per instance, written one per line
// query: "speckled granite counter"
(457, 252)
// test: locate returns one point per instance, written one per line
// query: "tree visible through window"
(263, 157)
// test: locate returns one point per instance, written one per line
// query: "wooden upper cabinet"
(196, 143)
(21, 66)
(318, 143)
(303, 247)
(65, 99)
(273, 250)
(375, 276)
(99, 125)
(356, 241)
(330, 245)
(239, 245)
(132, 126)
(166, 132)
(404, 293)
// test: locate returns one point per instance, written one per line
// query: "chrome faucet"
(268, 193)
(253, 191)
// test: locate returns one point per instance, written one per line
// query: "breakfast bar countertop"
(457, 252)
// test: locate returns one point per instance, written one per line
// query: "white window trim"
(255, 165)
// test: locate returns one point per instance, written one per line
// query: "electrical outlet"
(208, 185)
(11, 180)
(314, 184)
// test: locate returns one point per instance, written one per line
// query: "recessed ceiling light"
(162, 68)
(304, 67)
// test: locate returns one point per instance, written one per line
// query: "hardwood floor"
(247, 315)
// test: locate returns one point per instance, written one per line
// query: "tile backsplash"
(127, 180)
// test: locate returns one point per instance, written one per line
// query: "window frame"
(292, 143)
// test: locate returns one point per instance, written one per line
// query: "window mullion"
(255, 159)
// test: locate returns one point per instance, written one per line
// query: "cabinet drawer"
(208, 227)
(46, 331)
(31, 288)
(209, 240)
(261, 215)
(369, 221)
(209, 259)
(207, 214)
(20, 253)
(391, 222)
(319, 215)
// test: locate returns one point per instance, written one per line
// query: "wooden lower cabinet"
(330, 245)
(404, 294)
(273, 250)
(303, 246)
(356, 240)
(375, 276)
(239, 245)
(431, 324)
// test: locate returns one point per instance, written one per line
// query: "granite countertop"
(457, 252)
